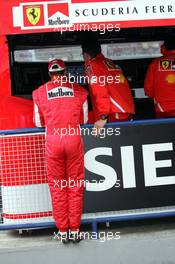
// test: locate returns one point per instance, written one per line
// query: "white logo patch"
(60, 92)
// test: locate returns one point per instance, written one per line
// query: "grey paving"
(141, 242)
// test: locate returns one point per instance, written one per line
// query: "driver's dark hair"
(57, 73)
(169, 43)
(93, 48)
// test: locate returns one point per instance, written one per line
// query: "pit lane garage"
(132, 49)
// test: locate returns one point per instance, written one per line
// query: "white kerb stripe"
(85, 111)
(37, 116)
(117, 105)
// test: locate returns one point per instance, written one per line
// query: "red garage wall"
(5, 87)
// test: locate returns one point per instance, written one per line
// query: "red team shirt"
(109, 89)
(160, 84)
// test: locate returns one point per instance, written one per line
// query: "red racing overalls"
(61, 108)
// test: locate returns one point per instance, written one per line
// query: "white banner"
(58, 14)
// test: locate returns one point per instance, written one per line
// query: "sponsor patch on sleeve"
(170, 78)
(122, 78)
(165, 65)
(111, 65)
(89, 71)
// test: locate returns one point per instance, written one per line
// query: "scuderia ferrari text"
(122, 11)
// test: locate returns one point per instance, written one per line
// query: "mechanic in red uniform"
(160, 81)
(61, 106)
(110, 92)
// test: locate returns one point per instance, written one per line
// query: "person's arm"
(84, 116)
(38, 116)
(84, 109)
(150, 79)
(98, 90)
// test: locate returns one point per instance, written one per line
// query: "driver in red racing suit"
(61, 106)
(160, 81)
(109, 89)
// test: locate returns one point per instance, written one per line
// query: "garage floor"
(148, 241)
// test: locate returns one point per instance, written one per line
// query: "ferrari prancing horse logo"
(33, 14)
(165, 64)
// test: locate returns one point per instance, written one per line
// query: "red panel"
(22, 160)
(123, 24)
(140, 23)
(29, 215)
(89, 1)
(6, 22)
(148, 23)
(129, 24)
(15, 113)
(5, 86)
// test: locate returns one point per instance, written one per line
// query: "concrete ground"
(137, 242)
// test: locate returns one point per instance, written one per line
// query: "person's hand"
(98, 125)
